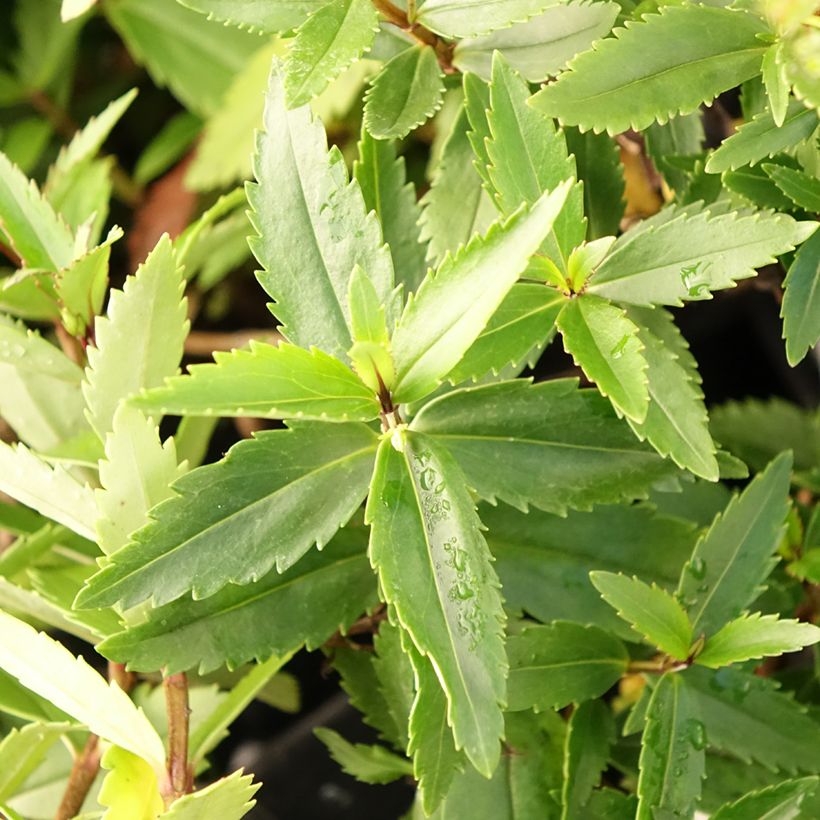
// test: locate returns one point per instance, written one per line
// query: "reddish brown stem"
(83, 773)
(180, 779)
(396, 16)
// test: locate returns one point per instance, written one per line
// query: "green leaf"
(516, 334)
(16, 700)
(776, 82)
(529, 156)
(650, 609)
(38, 236)
(678, 137)
(81, 199)
(228, 799)
(440, 556)
(52, 491)
(382, 178)
(470, 18)
(266, 381)
(130, 788)
(756, 636)
(752, 183)
(395, 675)
(259, 15)
(333, 37)
(552, 666)
(453, 305)
(174, 43)
(139, 341)
(544, 44)
(590, 733)
(676, 422)
(312, 228)
(799, 187)
(547, 444)
(367, 763)
(672, 752)
(780, 802)
(50, 670)
(746, 716)
(604, 342)
(735, 555)
(173, 139)
(477, 106)
(21, 752)
(683, 254)
(678, 59)
(760, 138)
(404, 94)
(266, 504)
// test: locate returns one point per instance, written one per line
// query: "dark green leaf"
(780, 802)
(799, 187)
(369, 764)
(801, 301)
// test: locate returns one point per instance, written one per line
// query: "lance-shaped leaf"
(477, 106)
(333, 37)
(49, 669)
(798, 186)
(737, 552)
(259, 15)
(230, 798)
(382, 178)
(529, 156)
(672, 752)
(130, 788)
(780, 801)
(139, 341)
(756, 636)
(662, 65)
(470, 18)
(435, 570)
(404, 94)
(22, 751)
(266, 381)
(367, 763)
(324, 592)
(266, 504)
(676, 422)
(760, 138)
(552, 666)
(650, 609)
(686, 254)
(312, 228)
(547, 444)
(604, 342)
(801, 301)
(544, 44)
(452, 306)
(776, 82)
(746, 716)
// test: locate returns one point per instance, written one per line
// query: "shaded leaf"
(799, 187)
(780, 802)
(367, 763)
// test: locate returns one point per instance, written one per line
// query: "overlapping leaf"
(262, 15)
(470, 18)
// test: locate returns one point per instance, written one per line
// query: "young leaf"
(266, 504)
(799, 187)
(672, 752)
(604, 342)
(276, 615)
(404, 94)
(50, 670)
(130, 788)
(651, 610)
(382, 178)
(549, 444)
(333, 37)
(312, 228)
(801, 301)
(368, 764)
(257, 15)
(471, 18)
(22, 751)
(139, 341)
(230, 798)
(689, 253)
(760, 138)
(777, 85)
(677, 59)
(266, 381)
(420, 493)
(453, 305)
(736, 554)
(589, 735)
(756, 636)
(552, 666)
(780, 802)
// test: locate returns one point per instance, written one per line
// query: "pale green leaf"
(800, 309)
(404, 94)
(30, 294)
(736, 554)
(656, 67)
(799, 187)
(427, 546)
(333, 37)
(552, 666)
(780, 802)
(453, 305)
(604, 343)
(75, 8)
(130, 790)
(260, 15)
(81, 198)
(21, 752)
(266, 381)
(756, 636)
(227, 799)
(471, 18)
(312, 228)
(138, 343)
(369, 764)
(650, 609)
(477, 105)
(265, 504)
(777, 85)
(672, 752)
(50, 670)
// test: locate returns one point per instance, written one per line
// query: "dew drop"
(697, 734)
(697, 567)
